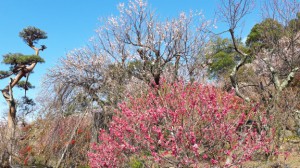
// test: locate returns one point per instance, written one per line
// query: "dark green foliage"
(255, 36)
(222, 62)
(26, 105)
(25, 85)
(17, 58)
(5, 74)
(222, 45)
(294, 24)
(27, 101)
(43, 47)
(261, 34)
(31, 35)
(222, 58)
(267, 34)
(270, 31)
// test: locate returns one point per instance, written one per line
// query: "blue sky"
(70, 23)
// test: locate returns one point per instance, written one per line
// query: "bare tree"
(233, 12)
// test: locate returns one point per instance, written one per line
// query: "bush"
(182, 125)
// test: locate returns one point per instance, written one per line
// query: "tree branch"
(289, 78)
(233, 74)
(274, 74)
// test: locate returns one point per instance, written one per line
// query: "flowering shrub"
(181, 125)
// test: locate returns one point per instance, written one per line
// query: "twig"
(68, 144)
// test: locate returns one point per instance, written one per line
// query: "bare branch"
(232, 11)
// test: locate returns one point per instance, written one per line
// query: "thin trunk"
(11, 119)
(11, 122)
(176, 68)
(233, 74)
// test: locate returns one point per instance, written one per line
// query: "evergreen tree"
(20, 66)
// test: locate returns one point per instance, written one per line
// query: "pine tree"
(20, 66)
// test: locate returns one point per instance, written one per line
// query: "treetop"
(31, 35)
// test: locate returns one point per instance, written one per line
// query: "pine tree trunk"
(11, 122)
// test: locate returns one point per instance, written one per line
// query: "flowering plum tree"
(136, 35)
(181, 125)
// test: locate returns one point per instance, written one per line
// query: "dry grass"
(291, 161)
